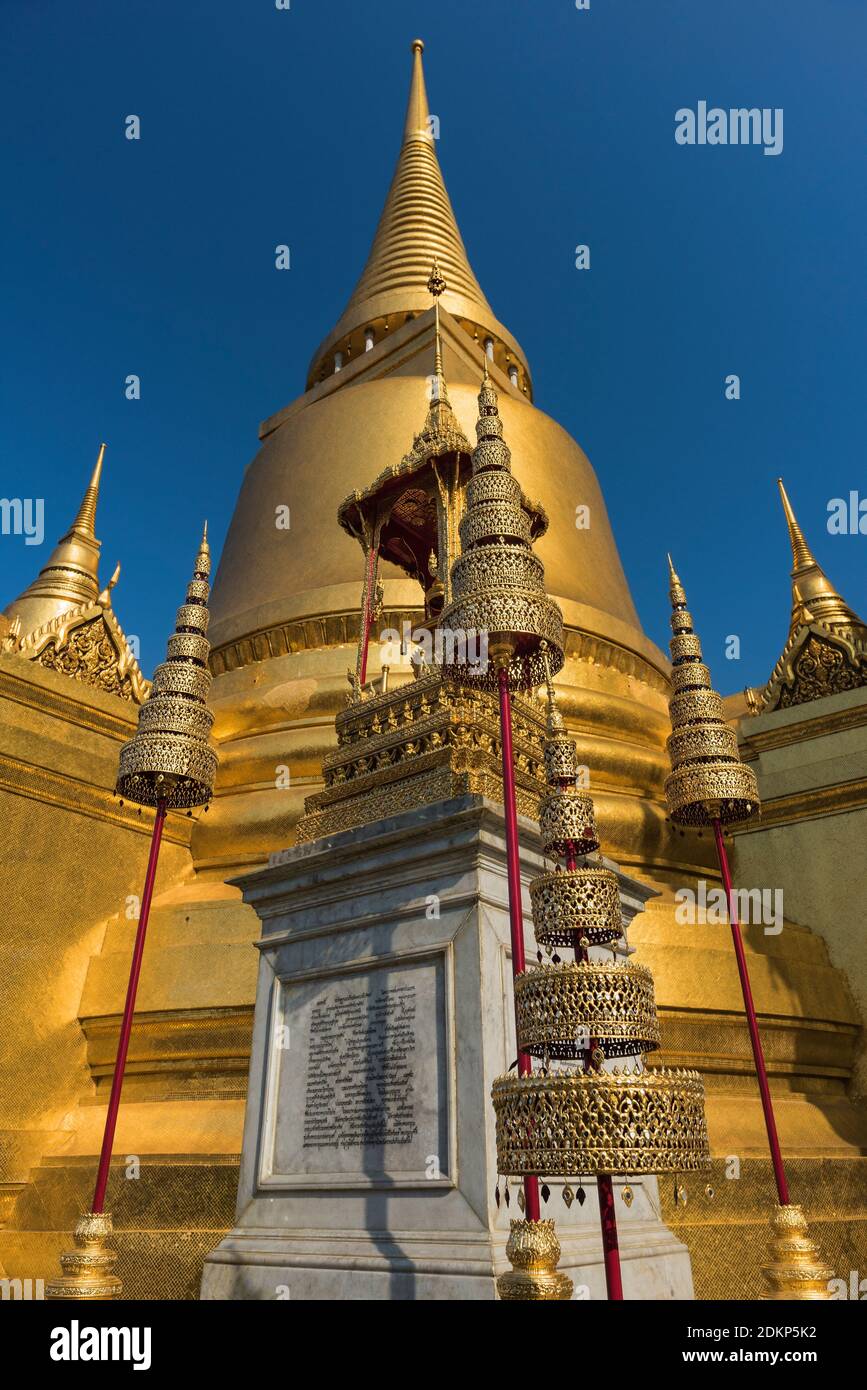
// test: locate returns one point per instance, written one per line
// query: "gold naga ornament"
(170, 765)
(588, 1119)
(710, 786)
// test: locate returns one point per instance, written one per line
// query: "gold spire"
(812, 590)
(826, 650)
(70, 578)
(417, 226)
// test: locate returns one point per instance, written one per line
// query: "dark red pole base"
(752, 1022)
(128, 1010)
(610, 1247)
(516, 913)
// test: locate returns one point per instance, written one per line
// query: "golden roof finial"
(820, 616)
(801, 553)
(436, 284)
(676, 591)
(555, 718)
(203, 559)
(812, 590)
(70, 577)
(105, 596)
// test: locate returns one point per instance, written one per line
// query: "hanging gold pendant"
(628, 1195)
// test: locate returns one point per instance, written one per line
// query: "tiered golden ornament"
(168, 764)
(170, 759)
(709, 785)
(498, 584)
(708, 781)
(588, 1120)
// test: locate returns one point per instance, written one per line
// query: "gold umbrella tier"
(576, 907)
(565, 1010)
(700, 792)
(567, 1124)
(567, 821)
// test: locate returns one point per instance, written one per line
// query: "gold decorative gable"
(88, 644)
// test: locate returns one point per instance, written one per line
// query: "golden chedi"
(284, 628)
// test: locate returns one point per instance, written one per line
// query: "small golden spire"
(555, 718)
(436, 285)
(801, 553)
(812, 590)
(203, 559)
(70, 576)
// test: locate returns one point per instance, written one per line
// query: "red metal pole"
(604, 1185)
(610, 1246)
(516, 914)
(128, 1009)
(752, 1023)
(365, 617)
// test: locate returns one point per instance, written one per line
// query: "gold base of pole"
(88, 1269)
(796, 1270)
(533, 1250)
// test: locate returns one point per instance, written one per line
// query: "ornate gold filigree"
(498, 583)
(534, 1251)
(707, 781)
(575, 903)
(567, 819)
(560, 1007)
(570, 1123)
(169, 758)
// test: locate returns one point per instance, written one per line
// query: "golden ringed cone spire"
(708, 781)
(71, 575)
(416, 227)
(801, 553)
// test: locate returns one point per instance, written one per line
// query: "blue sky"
(557, 127)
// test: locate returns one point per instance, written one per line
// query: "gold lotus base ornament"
(88, 1270)
(534, 1250)
(796, 1270)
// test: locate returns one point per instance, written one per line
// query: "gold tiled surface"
(160, 1253)
(727, 1236)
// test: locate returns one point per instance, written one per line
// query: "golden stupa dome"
(285, 562)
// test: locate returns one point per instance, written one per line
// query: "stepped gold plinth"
(88, 1270)
(796, 1270)
(534, 1251)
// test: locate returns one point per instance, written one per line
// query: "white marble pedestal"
(383, 1014)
